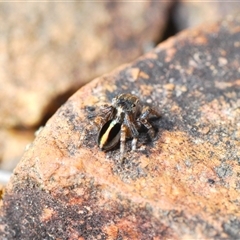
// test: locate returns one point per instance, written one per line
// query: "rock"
(49, 50)
(182, 185)
(12, 146)
(192, 13)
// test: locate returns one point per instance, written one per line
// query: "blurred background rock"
(49, 50)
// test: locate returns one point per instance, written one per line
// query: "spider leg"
(133, 131)
(107, 113)
(123, 140)
(134, 144)
(147, 111)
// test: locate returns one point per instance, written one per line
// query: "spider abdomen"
(109, 136)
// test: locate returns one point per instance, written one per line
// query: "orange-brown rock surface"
(183, 185)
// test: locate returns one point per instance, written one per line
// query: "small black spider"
(122, 120)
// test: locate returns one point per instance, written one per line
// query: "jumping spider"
(122, 120)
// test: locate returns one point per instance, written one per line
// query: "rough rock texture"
(50, 49)
(192, 13)
(183, 185)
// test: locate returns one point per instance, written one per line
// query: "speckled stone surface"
(183, 185)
